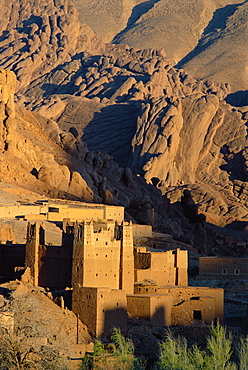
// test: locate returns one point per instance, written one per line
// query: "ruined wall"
(100, 308)
(156, 308)
(181, 266)
(189, 293)
(55, 267)
(104, 225)
(224, 267)
(50, 266)
(32, 255)
(142, 231)
(192, 310)
(142, 259)
(189, 303)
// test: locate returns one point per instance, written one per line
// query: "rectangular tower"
(32, 255)
(96, 256)
(126, 257)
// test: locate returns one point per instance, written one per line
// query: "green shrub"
(219, 346)
(243, 354)
(118, 355)
(176, 355)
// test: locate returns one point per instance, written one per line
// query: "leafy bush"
(118, 355)
(174, 353)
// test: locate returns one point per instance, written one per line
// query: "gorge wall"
(129, 103)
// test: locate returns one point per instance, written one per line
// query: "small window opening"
(197, 315)
(224, 271)
(236, 272)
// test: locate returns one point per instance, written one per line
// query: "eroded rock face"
(201, 146)
(7, 110)
(27, 156)
(39, 162)
(110, 16)
(221, 52)
(206, 37)
(130, 103)
(37, 36)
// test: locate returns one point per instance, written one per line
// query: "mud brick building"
(223, 267)
(110, 277)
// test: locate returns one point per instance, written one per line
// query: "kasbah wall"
(223, 267)
(110, 277)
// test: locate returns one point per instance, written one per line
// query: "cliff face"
(7, 110)
(199, 143)
(37, 36)
(206, 37)
(130, 103)
(33, 151)
(37, 155)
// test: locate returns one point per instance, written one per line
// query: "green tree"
(219, 346)
(174, 354)
(118, 355)
(243, 353)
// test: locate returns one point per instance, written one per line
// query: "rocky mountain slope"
(207, 37)
(39, 157)
(174, 130)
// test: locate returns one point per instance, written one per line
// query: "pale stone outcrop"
(79, 187)
(207, 37)
(7, 110)
(133, 104)
(39, 36)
